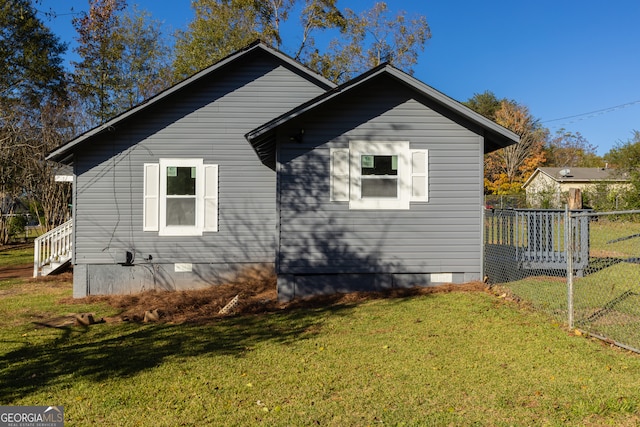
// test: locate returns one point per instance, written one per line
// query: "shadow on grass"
(597, 264)
(105, 351)
(110, 350)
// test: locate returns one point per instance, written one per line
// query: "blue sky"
(573, 60)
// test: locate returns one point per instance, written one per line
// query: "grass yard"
(604, 236)
(606, 302)
(16, 255)
(457, 358)
(607, 299)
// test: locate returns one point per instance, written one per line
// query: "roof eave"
(499, 135)
(63, 154)
(503, 134)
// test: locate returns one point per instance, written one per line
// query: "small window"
(180, 197)
(379, 175)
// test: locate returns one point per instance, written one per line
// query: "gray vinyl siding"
(207, 120)
(443, 235)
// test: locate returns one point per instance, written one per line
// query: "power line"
(594, 113)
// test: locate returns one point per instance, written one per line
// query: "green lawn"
(15, 256)
(442, 359)
(604, 236)
(606, 302)
(607, 299)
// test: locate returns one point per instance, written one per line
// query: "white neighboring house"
(547, 187)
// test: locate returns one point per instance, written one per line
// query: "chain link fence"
(505, 201)
(594, 197)
(582, 268)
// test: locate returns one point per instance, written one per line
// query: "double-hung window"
(179, 184)
(379, 175)
(180, 197)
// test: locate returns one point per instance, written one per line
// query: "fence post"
(36, 258)
(568, 244)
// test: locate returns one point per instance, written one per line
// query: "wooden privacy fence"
(534, 239)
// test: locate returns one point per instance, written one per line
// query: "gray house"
(257, 160)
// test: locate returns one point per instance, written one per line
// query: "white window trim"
(181, 230)
(155, 194)
(396, 148)
(345, 174)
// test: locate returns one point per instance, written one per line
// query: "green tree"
(317, 16)
(123, 59)
(361, 41)
(625, 155)
(145, 66)
(625, 158)
(571, 149)
(32, 85)
(485, 103)
(96, 75)
(369, 39)
(218, 29)
(30, 56)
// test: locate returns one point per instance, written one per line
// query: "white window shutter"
(339, 171)
(150, 208)
(210, 198)
(419, 175)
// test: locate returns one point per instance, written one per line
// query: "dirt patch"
(256, 294)
(15, 246)
(16, 272)
(20, 271)
(600, 253)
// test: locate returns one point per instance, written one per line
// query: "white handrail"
(53, 246)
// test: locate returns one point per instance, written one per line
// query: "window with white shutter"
(180, 197)
(150, 207)
(210, 198)
(419, 175)
(379, 175)
(339, 174)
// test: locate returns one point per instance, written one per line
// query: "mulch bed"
(255, 288)
(256, 296)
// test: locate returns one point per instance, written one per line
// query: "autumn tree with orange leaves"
(512, 165)
(508, 168)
